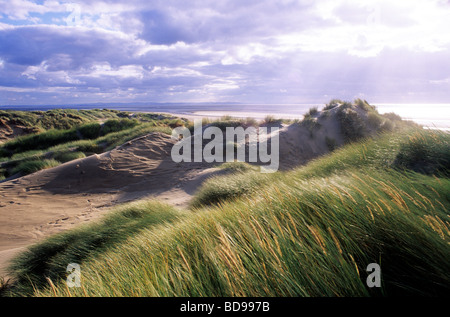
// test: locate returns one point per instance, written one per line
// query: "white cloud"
(126, 71)
(169, 72)
(21, 9)
(445, 81)
(221, 85)
(217, 49)
(245, 54)
(43, 74)
(32, 71)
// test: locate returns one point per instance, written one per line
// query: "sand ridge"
(50, 201)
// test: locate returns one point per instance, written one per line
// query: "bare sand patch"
(49, 201)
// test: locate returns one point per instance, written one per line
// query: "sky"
(249, 51)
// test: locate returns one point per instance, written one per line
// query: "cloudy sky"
(252, 51)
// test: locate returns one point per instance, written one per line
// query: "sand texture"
(49, 201)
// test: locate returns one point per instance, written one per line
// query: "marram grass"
(311, 238)
(49, 259)
(309, 232)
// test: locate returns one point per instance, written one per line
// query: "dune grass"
(426, 152)
(111, 140)
(86, 241)
(66, 145)
(299, 238)
(41, 140)
(308, 232)
(28, 167)
(61, 119)
(68, 156)
(238, 167)
(47, 139)
(221, 188)
(116, 125)
(376, 153)
(27, 155)
(90, 130)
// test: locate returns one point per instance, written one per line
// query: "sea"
(432, 116)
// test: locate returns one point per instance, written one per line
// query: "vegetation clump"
(352, 125)
(28, 167)
(425, 152)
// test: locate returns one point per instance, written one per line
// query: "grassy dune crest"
(311, 231)
(27, 154)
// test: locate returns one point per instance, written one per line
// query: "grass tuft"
(68, 156)
(28, 167)
(426, 152)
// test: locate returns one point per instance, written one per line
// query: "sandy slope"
(298, 146)
(49, 201)
(56, 199)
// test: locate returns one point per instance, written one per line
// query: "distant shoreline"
(433, 116)
(433, 124)
(238, 115)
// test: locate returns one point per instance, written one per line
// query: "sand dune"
(298, 146)
(49, 201)
(52, 200)
(9, 131)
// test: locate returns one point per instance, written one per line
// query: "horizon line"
(210, 103)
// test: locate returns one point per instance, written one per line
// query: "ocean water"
(434, 116)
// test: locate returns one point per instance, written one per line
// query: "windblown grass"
(85, 242)
(221, 188)
(426, 152)
(371, 153)
(309, 232)
(296, 238)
